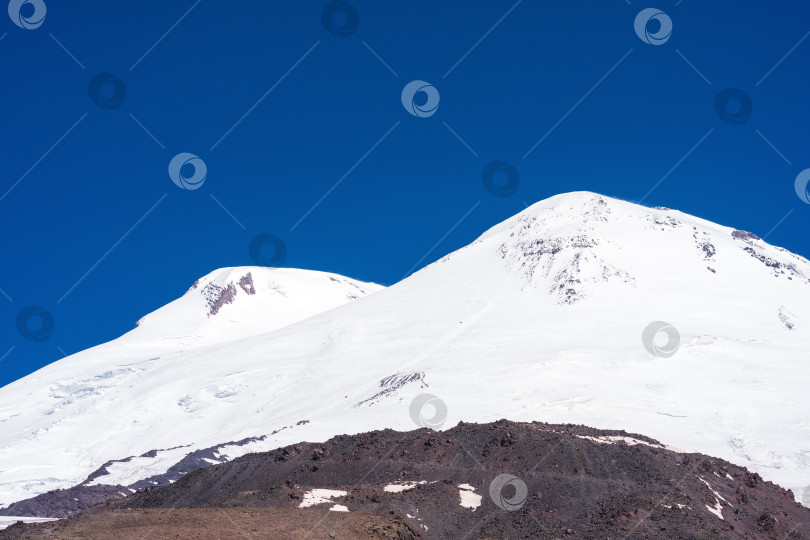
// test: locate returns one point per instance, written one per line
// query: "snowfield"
(540, 318)
(8, 521)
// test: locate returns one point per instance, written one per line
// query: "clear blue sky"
(615, 115)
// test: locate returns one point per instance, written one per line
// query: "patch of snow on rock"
(320, 496)
(7, 521)
(399, 487)
(469, 499)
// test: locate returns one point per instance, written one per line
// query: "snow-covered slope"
(232, 303)
(77, 413)
(541, 318)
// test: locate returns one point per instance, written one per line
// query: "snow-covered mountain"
(232, 303)
(541, 318)
(62, 408)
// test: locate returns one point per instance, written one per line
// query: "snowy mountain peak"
(245, 300)
(574, 245)
(225, 285)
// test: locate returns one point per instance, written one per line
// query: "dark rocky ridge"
(578, 485)
(62, 503)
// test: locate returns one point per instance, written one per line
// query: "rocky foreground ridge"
(497, 480)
